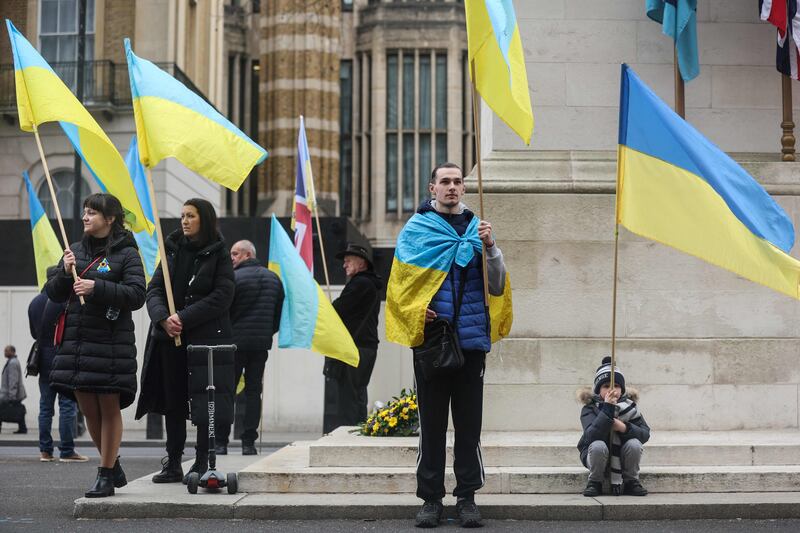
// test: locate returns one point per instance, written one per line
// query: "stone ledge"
(566, 507)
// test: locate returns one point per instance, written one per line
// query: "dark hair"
(109, 206)
(446, 164)
(208, 220)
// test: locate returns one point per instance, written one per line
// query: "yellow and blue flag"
(426, 249)
(495, 49)
(676, 187)
(147, 242)
(46, 248)
(678, 19)
(308, 320)
(43, 97)
(173, 121)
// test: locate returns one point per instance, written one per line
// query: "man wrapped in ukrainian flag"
(437, 272)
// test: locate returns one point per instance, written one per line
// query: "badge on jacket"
(103, 266)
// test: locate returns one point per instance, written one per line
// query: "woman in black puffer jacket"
(174, 382)
(96, 360)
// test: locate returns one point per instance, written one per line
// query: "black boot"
(103, 485)
(119, 475)
(430, 514)
(200, 466)
(249, 448)
(171, 471)
(593, 489)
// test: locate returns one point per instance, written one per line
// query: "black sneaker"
(221, 449)
(593, 489)
(249, 448)
(468, 513)
(633, 488)
(200, 466)
(430, 514)
(171, 471)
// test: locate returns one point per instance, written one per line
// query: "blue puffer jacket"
(473, 324)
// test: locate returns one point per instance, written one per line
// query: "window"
(64, 184)
(346, 137)
(416, 124)
(58, 39)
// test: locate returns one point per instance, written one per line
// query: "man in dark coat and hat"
(358, 307)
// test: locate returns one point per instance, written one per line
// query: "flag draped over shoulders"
(676, 187)
(42, 97)
(308, 320)
(426, 249)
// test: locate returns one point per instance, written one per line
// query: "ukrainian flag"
(308, 320)
(147, 242)
(172, 121)
(675, 187)
(46, 248)
(43, 97)
(495, 50)
(425, 252)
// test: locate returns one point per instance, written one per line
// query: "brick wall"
(17, 12)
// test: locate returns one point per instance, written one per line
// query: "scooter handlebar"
(216, 348)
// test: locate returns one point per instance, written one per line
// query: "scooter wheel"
(194, 482)
(232, 481)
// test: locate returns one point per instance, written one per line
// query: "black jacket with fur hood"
(597, 417)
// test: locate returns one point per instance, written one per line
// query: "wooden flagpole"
(787, 139)
(680, 104)
(614, 304)
(476, 122)
(162, 252)
(313, 200)
(55, 200)
(319, 235)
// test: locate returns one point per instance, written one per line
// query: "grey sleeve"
(496, 270)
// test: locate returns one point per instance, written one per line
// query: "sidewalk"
(135, 438)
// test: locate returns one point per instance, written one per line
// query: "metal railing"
(106, 84)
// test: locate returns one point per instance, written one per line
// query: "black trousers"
(252, 364)
(346, 390)
(461, 392)
(175, 423)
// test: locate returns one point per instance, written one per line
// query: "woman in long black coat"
(96, 360)
(174, 382)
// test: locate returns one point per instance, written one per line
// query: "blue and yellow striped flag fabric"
(426, 249)
(308, 320)
(43, 97)
(495, 49)
(147, 242)
(173, 121)
(676, 187)
(46, 248)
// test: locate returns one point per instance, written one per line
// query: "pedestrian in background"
(255, 318)
(42, 316)
(12, 391)
(358, 306)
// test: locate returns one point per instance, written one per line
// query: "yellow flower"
(384, 413)
(405, 410)
(392, 422)
(376, 427)
(386, 430)
(404, 416)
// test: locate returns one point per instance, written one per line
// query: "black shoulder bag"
(440, 354)
(32, 366)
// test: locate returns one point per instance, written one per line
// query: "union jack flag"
(303, 201)
(783, 15)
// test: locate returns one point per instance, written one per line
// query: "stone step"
(142, 500)
(288, 471)
(666, 448)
